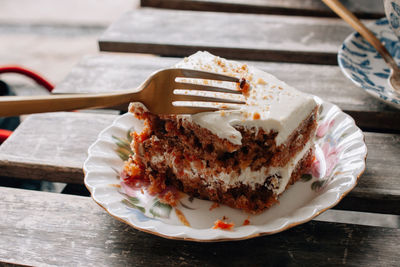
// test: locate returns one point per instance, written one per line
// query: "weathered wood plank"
(240, 36)
(104, 73)
(51, 229)
(361, 8)
(51, 146)
(57, 154)
(383, 163)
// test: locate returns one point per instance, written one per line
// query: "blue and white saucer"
(362, 64)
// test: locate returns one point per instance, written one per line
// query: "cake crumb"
(273, 86)
(244, 86)
(218, 224)
(220, 62)
(222, 113)
(169, 197)
(214, 206)
(246, 222)
(261, 81)
(280, 87)
(256, 116)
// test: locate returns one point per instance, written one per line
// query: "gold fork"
(157, 93)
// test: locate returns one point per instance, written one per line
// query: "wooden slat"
(361, 8)
(240, 36)
(57, 154)
(104, 73)
(383, 163)
(41, 228)
(51, 146)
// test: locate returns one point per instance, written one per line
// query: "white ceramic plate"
(360, 62)
(340, 160)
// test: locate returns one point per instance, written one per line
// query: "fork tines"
(187, 91)
(201, 87)
(199, 74)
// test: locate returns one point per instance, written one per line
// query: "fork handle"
(18, 105)
(356, 24)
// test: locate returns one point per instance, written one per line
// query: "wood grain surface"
(53, 229)
(103, 73)
(51, 146)
(57, 153)
(361, 8)
(240, 36)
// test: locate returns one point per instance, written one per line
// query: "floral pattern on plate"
(363, 65)
(339, 161)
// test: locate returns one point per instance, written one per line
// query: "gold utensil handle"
(17, 105)
(356, 24)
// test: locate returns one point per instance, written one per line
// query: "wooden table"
(40, 228)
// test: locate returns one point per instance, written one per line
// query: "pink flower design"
(331, 157)
(128, 190)
(324, 127)
(315, 168)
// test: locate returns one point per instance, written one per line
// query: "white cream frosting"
(279, 106)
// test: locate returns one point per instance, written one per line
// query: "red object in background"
(4, 134)
(34, 76)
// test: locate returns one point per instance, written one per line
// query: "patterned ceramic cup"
(392, 10)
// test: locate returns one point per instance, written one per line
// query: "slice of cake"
(244, 158)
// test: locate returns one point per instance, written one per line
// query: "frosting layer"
(270, 103)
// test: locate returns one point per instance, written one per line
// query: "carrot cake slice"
(244, 157)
